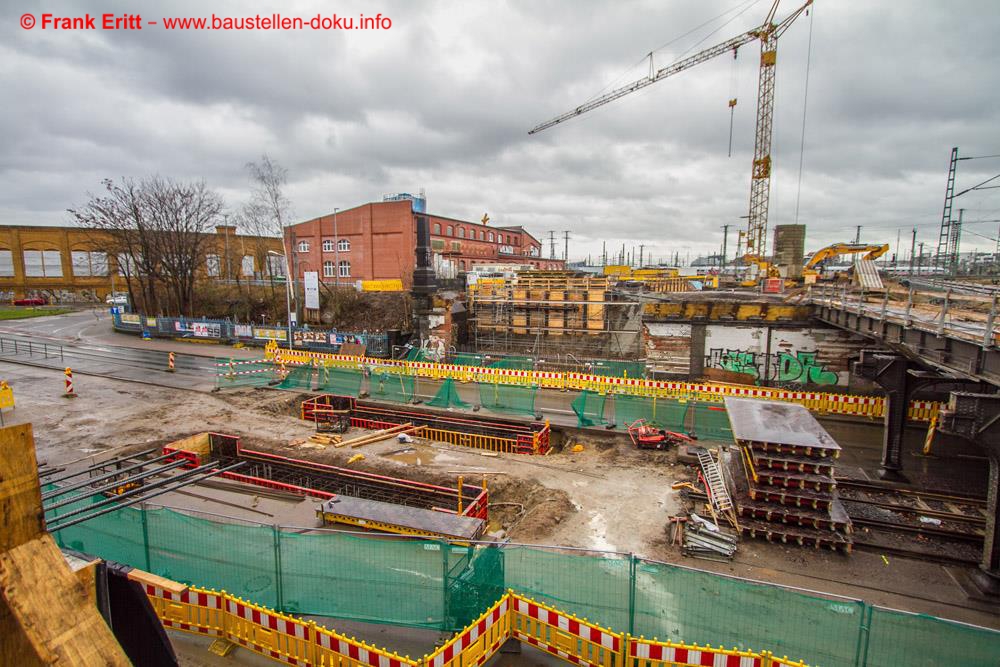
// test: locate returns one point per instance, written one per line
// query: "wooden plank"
(47, 615)
(144, 578)
(51, 610)
(20, 498)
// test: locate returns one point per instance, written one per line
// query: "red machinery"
(645, 436)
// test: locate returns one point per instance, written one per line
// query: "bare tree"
(183, 215)
(158, 230)
(122, 228)
(269, 210)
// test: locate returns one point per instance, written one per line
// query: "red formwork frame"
(526, 439)
(475, 499)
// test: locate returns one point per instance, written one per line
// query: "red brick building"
(377, 241)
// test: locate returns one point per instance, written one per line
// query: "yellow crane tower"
(760, 176)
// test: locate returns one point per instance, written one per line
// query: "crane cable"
(805, 105)
(734, 84)
(648, 57)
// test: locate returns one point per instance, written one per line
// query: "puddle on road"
(412, 454)
(417, 454)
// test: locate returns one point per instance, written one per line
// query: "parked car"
(117, 299)
(33, 301)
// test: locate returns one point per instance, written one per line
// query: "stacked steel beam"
(782, 470)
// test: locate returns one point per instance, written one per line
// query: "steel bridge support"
(976, 417)
(891, 372)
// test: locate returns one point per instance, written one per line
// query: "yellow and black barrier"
(294, 641)
(872, 407)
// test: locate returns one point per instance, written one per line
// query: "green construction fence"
(441, 586)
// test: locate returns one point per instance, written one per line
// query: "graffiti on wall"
(782, 367)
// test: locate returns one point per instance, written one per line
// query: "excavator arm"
(831, 251)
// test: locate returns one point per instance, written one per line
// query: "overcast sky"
(443, 100)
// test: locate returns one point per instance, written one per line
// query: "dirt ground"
(607, 497)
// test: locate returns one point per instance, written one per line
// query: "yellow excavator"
(809, 272)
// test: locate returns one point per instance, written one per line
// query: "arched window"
(437, 227)
(461, 232)
(343, 245)
(328, 245)
(345, 269)
(328, 269)
(303, 246)
(491, 237)
(482, 235)
(462, 264)
(451, 230)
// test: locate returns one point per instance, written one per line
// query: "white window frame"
(345, 269)
(49, 262)
(328, 270)
(303, 246)
(213, 266)
(328, 245)
(6, 263)
(344, 245)
(276, 265)
(246, 266)
(491, 237)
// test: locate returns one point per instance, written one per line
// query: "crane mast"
(760, 177)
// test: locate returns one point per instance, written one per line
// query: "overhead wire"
(742, 9)
(805, 106)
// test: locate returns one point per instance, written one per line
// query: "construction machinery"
(873, 252)
(646, 436)
(760, 175)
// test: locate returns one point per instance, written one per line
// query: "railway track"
(931, 525)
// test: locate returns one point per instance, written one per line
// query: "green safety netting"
(589, 408)
(299, 377)
(514, 363)
(435, 585)
(632, 369)
(339, 381)
(515, 399)
(467, 359)
(666, 413)
(447, 396)
(710, 421)
(419, 354)
(247, 373)
(393, 387)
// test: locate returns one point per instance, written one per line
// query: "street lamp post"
(288, 294)
(336, 251)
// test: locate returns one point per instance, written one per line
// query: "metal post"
(336, 251)
(944, 312)
(279, 603)
(909, 306)
(444, 586)
(631, 593)
(145, 534)
(990, 319)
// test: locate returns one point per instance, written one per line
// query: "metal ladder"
(710, 469)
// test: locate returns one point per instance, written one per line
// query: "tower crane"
(760, 175)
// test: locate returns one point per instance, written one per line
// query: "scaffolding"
(544, 312)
